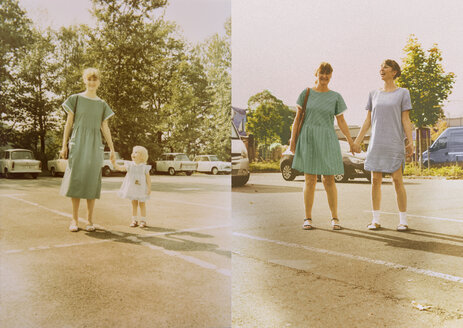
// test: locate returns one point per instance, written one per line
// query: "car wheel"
(106, 171)
(171, 171)
(239, 180)
(7, 174)
(189, 173)
(214, 171)
(341, 178)
(287, 172)
(53, 172)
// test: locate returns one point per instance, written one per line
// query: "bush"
(453, 172)
(267, 166)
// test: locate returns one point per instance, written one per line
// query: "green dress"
(82, 178)
(317, 148)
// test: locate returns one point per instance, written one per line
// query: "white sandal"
(402, 227)
(90, 228)
(142, 224)
(73, 227)
(307, 224)
(374, 226)
(335, 224)
(134, 223)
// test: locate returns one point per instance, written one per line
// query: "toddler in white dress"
(137, 183)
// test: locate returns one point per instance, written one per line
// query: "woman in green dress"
(317, 151)
(87, 115)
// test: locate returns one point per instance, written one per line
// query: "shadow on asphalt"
(403, 242)
(170, 241)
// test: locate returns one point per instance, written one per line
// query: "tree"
(277, 120)
(429, 86)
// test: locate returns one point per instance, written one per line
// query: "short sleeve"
(406, 101)
(369, 102)
(147, 169)
(340, 105)
(300, 99)
(70, 104)
(108, 112)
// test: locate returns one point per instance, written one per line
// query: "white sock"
(403, 218)
(134, 218)
(375, 216)
(142, 218)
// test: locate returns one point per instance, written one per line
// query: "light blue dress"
(82, 178)
(386, 149)
(317, 148)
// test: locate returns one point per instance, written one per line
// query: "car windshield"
(22, 155)
(182, 157)
(106, 155)
(214, 158)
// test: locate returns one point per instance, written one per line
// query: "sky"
(278, 44)
(197, 19)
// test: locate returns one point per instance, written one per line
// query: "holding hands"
(355, 148)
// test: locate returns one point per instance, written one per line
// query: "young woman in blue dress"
(391, 138)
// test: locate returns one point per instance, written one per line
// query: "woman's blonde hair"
(91, 71)
(143, 151)
(324, 68)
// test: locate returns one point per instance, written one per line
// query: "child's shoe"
(134, 223)
(142, 224)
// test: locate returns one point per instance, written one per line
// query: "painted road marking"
(423, 217)
(133, 238)
(358, 258)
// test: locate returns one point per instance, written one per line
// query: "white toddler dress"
(134, 186)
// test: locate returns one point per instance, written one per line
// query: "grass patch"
(451, 172)
(265, 166)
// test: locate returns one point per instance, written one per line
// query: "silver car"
(16, 161)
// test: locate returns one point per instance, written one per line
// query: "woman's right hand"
(292, 147)
(63, 152)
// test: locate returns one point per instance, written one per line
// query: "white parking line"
(133, 238)
(422, 217)
(358, 258)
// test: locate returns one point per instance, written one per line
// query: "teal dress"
(317, 148)
(82, 178)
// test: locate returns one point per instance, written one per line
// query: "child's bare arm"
(118, 167)
(148, 183)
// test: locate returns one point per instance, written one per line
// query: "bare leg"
(142, 209)
(397, 178)
(90, 207)
(75, 210)
(309, 193)
(134, 208)
(332, 194)
(376, 180)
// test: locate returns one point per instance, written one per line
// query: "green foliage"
(272, 166)
(429, 85)
(452, 172)
(269, 119)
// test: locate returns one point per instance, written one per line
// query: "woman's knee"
(328, 180)
(310, 180)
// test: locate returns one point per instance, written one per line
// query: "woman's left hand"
(409, 149)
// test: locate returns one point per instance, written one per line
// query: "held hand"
(409, 149)
(356, 148)
(112, 156)
(63, 152)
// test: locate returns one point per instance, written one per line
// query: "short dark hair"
(393, 64)
(324, 68)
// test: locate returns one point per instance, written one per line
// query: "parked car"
(175, 162)
(16, 161)
(211, 164)
(353, 165)
(240, 160)
(448, 148)
(57, 166)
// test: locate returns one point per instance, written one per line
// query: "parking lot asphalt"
(176, 272)
(284, 276)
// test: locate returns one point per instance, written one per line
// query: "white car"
(175, 162)
(15, 161)
(57, 166)
(240, 160)
(211, 164)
